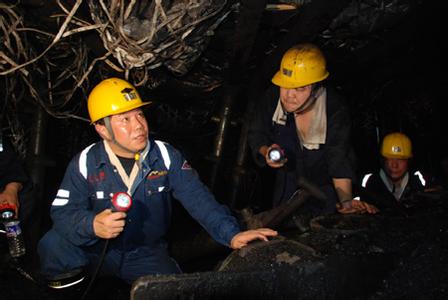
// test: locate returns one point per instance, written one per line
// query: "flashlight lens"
(7, 215)
(121, 201)
(275, 155)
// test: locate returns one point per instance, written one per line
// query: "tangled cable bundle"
(54, 69)
(151, 34)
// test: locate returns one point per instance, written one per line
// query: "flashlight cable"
(97, 269)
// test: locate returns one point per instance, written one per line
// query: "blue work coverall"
(141, 249)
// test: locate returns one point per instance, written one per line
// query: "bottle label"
(13, 229)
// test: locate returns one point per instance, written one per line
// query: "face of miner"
(292, 99)
(130, 130)
(395, 167)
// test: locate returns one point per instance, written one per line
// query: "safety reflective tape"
(420, 177)
(365, 179)
(61, 286)
(59, 202)
(63, 193)
(165, 155)
(83, 161)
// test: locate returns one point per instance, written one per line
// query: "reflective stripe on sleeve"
(63, 193)
(59, 202)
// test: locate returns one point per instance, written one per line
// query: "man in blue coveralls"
(126, 160)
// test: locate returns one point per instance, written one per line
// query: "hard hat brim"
(280, 80)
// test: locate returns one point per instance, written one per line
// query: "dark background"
(387, 58)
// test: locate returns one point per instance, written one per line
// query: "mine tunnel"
(348, 226)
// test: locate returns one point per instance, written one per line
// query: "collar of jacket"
(101, 156)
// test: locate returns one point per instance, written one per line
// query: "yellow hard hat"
(396, 145)
(301, 65)
(112, 96)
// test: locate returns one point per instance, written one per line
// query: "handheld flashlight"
(7, 212)
(276, 154)
(121, 201)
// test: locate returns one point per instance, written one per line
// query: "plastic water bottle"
(15, 238)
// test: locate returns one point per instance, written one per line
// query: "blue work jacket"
(91, 180)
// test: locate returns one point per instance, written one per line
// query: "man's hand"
(108, 224)
(243, 238)
(356, 207)
(10, 195)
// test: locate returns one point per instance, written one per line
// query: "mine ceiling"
(189, 56)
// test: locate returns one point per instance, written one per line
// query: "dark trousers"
(58, 256)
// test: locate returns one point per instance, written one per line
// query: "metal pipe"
(37, 165)
(224, 122)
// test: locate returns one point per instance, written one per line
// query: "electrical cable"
(97, 269)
